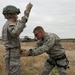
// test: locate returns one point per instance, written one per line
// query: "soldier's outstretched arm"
(26, 53)
(44, 48)
(16, 29)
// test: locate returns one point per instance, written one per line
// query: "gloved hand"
(29, 6)
(24, 53)
(27, 12)
(30, 52)
(28, 9)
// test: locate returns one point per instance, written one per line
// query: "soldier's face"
(16, 17)
(38, 35)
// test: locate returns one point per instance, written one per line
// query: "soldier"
(49, 43)
(10, 36)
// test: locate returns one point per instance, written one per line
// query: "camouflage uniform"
(51, 45)
(10, 37)
(11, 40)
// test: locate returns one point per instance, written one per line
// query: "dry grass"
(68, 45)
(34, 65)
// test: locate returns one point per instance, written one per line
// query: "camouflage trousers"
(48, 67)
(12, 59)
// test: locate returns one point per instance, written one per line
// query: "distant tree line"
(27, 39)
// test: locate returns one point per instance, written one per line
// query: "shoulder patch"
(12, 24)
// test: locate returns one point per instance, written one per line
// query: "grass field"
(34, 65)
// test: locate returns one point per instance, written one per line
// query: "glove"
(24, 52)
(30, 52)
(29, 6)
(28, 9)
(27, 12)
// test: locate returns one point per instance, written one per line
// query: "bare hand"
(24, 52)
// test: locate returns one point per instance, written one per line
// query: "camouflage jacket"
(11, 32)
(50, 44)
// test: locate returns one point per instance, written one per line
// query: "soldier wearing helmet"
(9, 11)
(10, 36)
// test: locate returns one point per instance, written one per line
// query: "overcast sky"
(55, 16)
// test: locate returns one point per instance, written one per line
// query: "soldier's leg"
(47, 68)
(15, 70)
(6, 57)
(62, 71)
(62, 66)
(15, 62)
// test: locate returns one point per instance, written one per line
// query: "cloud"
(57, 16)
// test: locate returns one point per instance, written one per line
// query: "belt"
(63, 56)
(12, 48)
(59, 65)
(59, 58)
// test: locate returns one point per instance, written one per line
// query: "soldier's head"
(10, 11)
(39, 32)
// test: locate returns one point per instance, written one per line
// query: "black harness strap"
(58, 65)
(50, 62)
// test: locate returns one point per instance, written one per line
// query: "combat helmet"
(9, 10)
